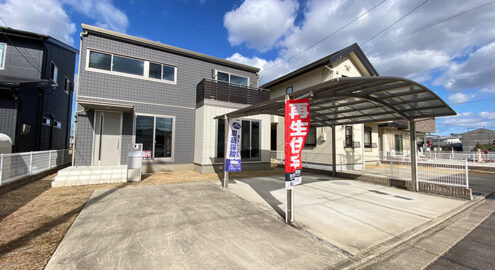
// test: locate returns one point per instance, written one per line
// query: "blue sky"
(447, 45)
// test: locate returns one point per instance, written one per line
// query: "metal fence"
(436, 171)
(17, 165)
(472, 157)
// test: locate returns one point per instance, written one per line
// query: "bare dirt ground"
(35, 217)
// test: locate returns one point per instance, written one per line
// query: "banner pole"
(225, 172)
(289, 211)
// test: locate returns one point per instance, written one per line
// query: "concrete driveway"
(351, 215)
(184, 226)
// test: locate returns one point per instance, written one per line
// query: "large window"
(250, 139)
(311, 138)
(131, 66)
(367, 137)
(231, 78)
(348, 136)
(398, 144)
(156, 134)
(3, 48)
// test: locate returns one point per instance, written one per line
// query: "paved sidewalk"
(432, 246)
(184, 226)
(351, 215)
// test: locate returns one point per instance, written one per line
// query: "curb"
(368, 255)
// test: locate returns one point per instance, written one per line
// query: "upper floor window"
(3, 48)
(53, 72)
(66, 85)
(348, 136)
(231, 78)
(131, 66)
(162, 72)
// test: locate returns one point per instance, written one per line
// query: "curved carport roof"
(352, 100)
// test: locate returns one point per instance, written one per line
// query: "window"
(289, 90)
(155, 133)
(231, 78)
(348, 136)
(131, 66)
(311, 138)
(100, 60)
(66, 85)
(46, 121)
(162, 72)
(57, 124)
(398, 143)
(367, 137)
(3, 48)
(127, 65)
(250, 139)
(53, 72)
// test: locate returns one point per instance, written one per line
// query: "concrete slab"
(184, 226)
(351, 215)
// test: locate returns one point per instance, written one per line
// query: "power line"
(430, 25)
(329, 35)
(394, 23)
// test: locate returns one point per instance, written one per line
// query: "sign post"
(232, 151)
(297, 121)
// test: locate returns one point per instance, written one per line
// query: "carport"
(357, 100)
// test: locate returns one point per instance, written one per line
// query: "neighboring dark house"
(36, 86)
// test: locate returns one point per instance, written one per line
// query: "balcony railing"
(222, 91)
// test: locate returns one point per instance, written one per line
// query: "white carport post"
(334, 153)
(226, 139)
(289, 211)
(414, 161)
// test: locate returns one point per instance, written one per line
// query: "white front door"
(107, 144)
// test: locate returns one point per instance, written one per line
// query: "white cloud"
(460, 98)
(260, 23)
(419, 56)
(273, 69)
(474, 73)
(41, 16)
(469, 120)
(104, 13)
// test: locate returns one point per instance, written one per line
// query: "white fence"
(17, 165)
(436, 171)
(472, 157)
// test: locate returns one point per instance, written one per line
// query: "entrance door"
(107, 142)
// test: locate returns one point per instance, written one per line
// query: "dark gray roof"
(353, 100)
(325, 61)
(26, 34)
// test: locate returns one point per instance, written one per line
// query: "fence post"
(50, 159)
(31, 162)
(1, 168)
(467, 173)
(391, 167)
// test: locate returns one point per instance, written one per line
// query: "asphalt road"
(475, 251)
(482, 183)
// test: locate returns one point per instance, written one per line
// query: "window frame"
(46, 121)
(66, 88)
(172, 151)
(287, 90)
(370, 130)
(146, 67)
(57, 124)
(55, 71)
(346, 144)
(235, 74)
(250, 142)
(2, 63)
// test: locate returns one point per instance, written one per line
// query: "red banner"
(297, 121)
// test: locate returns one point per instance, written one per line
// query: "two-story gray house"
(132, 90)
(36, 86)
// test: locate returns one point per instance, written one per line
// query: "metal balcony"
(222, 91)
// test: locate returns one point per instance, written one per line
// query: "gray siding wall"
(16, 65)
(147, 96)
(84, 138)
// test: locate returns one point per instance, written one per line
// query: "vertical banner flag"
(233, 162)
(297, 120)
